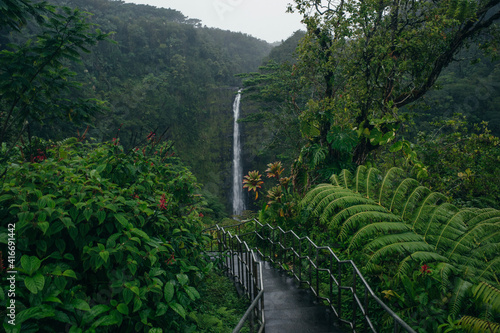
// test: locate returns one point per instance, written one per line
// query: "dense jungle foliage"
(104, 229)
(159, 71)
(382, 84)
(107, 224)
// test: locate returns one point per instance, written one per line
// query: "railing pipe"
(278, 240)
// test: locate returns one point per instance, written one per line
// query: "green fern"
(477, 325)
(394, 219)
(488, 295)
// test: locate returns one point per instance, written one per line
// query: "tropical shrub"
(105, 239)
(395, 227)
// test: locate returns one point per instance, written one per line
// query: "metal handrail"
(307, 262)
(242, 264)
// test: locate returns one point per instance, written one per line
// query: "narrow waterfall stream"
(238, 204)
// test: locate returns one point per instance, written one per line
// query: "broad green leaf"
(53, 299)
(137, 304)
(42, 217)
(101, 216)
(122, 220)
(75, 329)
(87, 213)
(168, 291)
(104, 255)
(122, 308)
(182, 278)
(127, 295)
(34, 283)
(139, 233)
(30, 264)
(192, 293)
(397, 146)
(179, 309)
(4, 197)
(44, 226)
(36, 312)
(135, 290)
(105, 321)
(80, 304)
(69, 273)
(97, 310)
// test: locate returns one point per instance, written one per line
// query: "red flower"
(201, 215)
(163, 201)
(425, 269)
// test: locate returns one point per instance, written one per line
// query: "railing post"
(366, 309)
(309, 255)
(330, 277)
(353, 299)
(339, 291)
(317, 274)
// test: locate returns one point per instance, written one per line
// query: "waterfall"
(238, 205)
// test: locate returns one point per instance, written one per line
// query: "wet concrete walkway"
(289, 309)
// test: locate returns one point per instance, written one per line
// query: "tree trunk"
(362, 150)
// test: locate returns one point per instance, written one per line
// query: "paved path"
(289, 309)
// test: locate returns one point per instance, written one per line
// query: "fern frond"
(372, 229)
(398, 199)
(445, 271)
(341, 203)
(309, 197)
(455, 226)
(334, 179)
(372, 180)
(345, 178)
(323, 199)
(493, 267)
(477, 325)
(488, 294)
(459, 293)
(469, 237)
(430, 200)
(439, 217)
(419, 256)
(385, 188)
(415, 197)
(359, 219)
(352, 210)
(482, 215)
(408, 245)
(360, 178)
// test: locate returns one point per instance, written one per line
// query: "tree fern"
(430, 200)
(360, 219)
(398, 199)
(477, 325)
(371, 230)
(460, 291)
(394, 220)
(488, 295)
(386, 188)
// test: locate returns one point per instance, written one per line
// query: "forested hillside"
(374, 132)
(163, 73)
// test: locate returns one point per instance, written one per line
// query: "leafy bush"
(106, 239)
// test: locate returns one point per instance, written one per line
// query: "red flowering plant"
(91, 216)
(425, 269)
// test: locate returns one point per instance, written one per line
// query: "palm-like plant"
(274, 170)
(253, 181)
(398, 224)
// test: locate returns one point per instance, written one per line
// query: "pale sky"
(264, 19)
